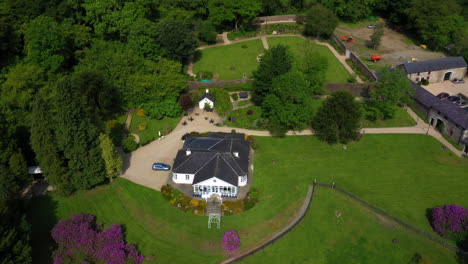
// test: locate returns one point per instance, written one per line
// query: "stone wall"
(192, 85)
(274, 19)
(438, 76)
(357, 89)
(450, 129)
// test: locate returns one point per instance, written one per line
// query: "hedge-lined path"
(137, 165)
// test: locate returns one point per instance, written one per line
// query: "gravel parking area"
(448, 87)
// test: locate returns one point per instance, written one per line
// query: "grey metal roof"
(214, 157)
(453, 112)
(207, 95)
(435, 65)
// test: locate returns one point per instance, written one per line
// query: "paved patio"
(448, 87)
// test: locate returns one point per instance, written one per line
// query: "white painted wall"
(214, 182)
(242, 180)
(202, 103)
(182, 178)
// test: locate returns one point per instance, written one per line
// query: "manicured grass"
(243, 120)
(402, 174)
(231, 61)
(336, 71)
(401, 119)
(357, 236)
(165, 125)
(244, 102)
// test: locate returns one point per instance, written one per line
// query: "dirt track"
(395, 48)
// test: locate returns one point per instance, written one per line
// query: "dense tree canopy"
(320, 21)
(392, 88)
(338, 119)
(176, 39)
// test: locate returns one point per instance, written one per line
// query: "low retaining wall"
(273, 19)
(192, 85)
(357, 89)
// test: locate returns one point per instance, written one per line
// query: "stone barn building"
(436, 70)
(444, 115)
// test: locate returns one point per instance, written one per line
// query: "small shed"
(207, 98)
(243, 95)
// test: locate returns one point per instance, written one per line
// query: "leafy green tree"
(288, 104)
(22, 82)
(276, 61)
(45, 43)
(142, 39)
(338, 119)
(320, 21)
(445, 21)
(315, 67)
(76, 136)
(44, 145)
(351, 10)
(392, 88)
(14, 229)
(176, 39)
(101, 98)
(228, 13)
(271, 7)
(376, 37)
(136, 79)
(112, 160)
(159, 110)
(207, 32)
(10, 41)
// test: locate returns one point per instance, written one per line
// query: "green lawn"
(231, 61)
(243, 120)
(336, 71)
(358, 236)
(402, 174)
(164, 125)
(244, 102)
(401, 119)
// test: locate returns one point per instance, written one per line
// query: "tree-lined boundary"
(301, 213)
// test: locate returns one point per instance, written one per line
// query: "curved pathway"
(137, 165)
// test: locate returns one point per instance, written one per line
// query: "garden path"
(137, 165)
(265, 43)
(341, 58)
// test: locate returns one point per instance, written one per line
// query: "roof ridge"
(206, 163)
(183, 162)
(231, 166)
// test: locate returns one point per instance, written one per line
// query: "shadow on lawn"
(42, 218)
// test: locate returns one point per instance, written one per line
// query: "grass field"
(357, 236)
(231, 61)
(165, 125)
(336, 71)
(402, 174)
(401, 119)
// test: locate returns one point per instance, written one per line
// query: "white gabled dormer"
(242, 180)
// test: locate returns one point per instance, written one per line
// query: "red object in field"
(398, 28)
(344, 38)
(375, 58)
(350, 39)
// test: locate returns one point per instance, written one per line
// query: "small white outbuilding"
(207, 98)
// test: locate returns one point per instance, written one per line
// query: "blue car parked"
(158, 166)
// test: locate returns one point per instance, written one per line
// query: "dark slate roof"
(453, 112)
(227, 135)
(207, 95)
(243, 95)
(214, 157)
(435, 65)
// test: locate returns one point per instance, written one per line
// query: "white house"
(206, 99)
(217, 164)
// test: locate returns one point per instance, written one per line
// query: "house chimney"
(236, 154)
(207, 91)
(188, 152)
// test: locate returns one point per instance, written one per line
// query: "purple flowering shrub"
(79, 238)
(450, 221)
(231, 241)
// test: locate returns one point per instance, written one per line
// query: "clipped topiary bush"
(234, 96)
(230, 242)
